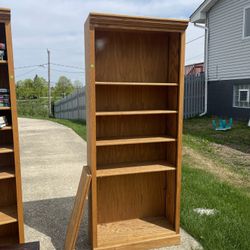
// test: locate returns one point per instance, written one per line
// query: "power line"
(194, 39)
(25, 73)
(67, 66)
(31, 66)
(76, 72)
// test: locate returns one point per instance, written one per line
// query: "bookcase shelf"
(6, 172)
(133, 140)
(8, 215)
(11, 206)
(5, 108)
(133, 168)
(134, 93)
(137, 112)
(159, 84)
(6, 149)
(6, 128)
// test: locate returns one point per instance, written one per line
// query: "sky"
(58, 25)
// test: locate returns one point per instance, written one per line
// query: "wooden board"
(8, 215)
(78, 209)
(129, 232)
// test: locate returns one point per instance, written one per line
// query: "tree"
(40, 86)
(63, 87)
(78, 84)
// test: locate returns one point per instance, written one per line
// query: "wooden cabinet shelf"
(8, 215)
(133, 140)
(5, 108)
(137, 112)
(11, 222)
(5, 128)
(133, 168)
(6, 172)
(134, 85)
(159, 84)
(6, 149)
(134, 231)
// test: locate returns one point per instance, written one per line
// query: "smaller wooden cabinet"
(134, 85)
(11, 208)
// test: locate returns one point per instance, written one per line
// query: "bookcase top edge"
(114, 20)
(4, 13)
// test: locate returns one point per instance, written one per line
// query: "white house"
(227, 55)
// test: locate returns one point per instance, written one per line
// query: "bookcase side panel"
(173, 75)
(180, 128)
(15, 131)
(91, 125)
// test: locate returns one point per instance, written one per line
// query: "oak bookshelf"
(134, 86)
(11, 208)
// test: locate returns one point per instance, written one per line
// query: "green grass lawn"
(209, 186)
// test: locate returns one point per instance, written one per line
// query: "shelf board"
(8, 215)
(133, 140)
(133, 168)
(136, 112)
(6, 172)
(6, 128)
(3, 62)
(159, 84)
(6, 149)
(5, 108)
(132, 232)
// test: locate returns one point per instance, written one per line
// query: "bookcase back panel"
(4, 77)
(122, 98)
(2, 33)
(6, 137)
(134, 125)
(8, 196)
(136, 153)
(131, 196)
(7, 160)
(9, 231)
(131, 56)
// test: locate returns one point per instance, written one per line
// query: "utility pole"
(49, 89)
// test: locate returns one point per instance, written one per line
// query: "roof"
(111, 21)
(200, 14)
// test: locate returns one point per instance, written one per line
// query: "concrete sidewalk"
(52, 157)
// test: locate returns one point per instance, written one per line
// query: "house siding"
(228, 52)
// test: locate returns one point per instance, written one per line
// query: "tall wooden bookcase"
(134, 85)
(11, 208)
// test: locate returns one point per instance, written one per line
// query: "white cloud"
(58, 25)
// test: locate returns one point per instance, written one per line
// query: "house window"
(241, 96)
(246, 22)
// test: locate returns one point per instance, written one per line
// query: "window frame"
(244, 90)
(244, 18)
(236, 96)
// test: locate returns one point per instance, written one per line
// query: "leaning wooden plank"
(78, 209)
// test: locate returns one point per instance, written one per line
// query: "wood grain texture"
(9, 234)
(127, 232)
(130, 196)
(133, 168)
(136, 125)
(133, 77)
(155, 84)
(180, 127)
(78, 210)
(6, 172)
(133, 140)
(13, 196)
(133, 57)
(91, 124)
(8, 215)
(135, 23)
(136, 153)
(137, 98)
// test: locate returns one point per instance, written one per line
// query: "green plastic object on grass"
(223, 125)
